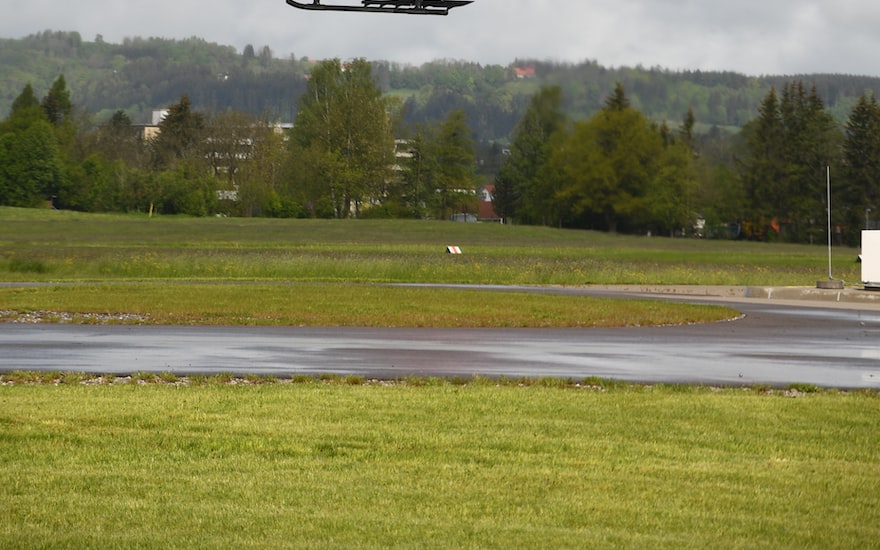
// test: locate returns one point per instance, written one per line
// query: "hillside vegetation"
(143, 74)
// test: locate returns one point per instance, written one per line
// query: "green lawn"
(276, 263)
(317, 465)
(43, 245)
(329, 304)
(337, 463)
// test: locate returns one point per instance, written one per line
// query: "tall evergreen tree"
(617, 101)
(181, 135)
(764, 167)
(454, 159)
(56, 103)
(686, 131)
(790, 144)
(25, 100)
(118, 139)
(523, 189)
(860, 189)
(812, 144)
(505, 198)
(25, 111)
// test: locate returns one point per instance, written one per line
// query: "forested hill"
(143, 74)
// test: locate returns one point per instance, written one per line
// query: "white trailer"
(871, 259)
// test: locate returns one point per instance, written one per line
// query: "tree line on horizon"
(352, 153)
(140, 75)
(620, 171)
(344, 157)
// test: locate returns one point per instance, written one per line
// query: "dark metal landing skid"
(417, 7)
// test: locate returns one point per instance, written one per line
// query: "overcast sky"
(755, 37)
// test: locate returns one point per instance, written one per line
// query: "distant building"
(159, 116)
(487, 207)
(524, 72)
(151, 131)
(225, 157)
(463, 217)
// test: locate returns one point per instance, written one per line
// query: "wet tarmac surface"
(773, 343)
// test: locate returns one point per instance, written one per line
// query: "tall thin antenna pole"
(828, 184)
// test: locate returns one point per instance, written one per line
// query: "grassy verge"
(263, 256)
(447, 466)
(335, 305)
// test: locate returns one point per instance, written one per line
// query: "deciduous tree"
(345, 123)
(30, 168)
(30, 162)
(608, 165)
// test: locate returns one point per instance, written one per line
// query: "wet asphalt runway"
(772, 343)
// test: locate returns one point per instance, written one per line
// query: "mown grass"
(43, 245)
(325, 304)
(319, 465)
(59, 246)
(333, 462)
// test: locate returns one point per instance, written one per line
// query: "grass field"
(42, 245)
(272, 260)
(323, 465)
(338, 463)
(323, 304)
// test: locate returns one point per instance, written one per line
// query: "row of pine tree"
(350, 154)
